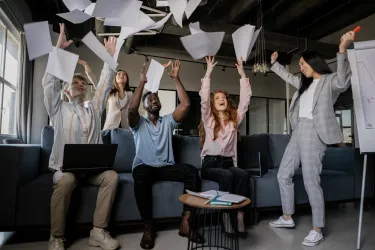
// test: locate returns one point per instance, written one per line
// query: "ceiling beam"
(240, 9)
(294, 12)
(274, 41)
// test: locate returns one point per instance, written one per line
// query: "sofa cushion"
(125, 150)
(186, 150)
(277, 145)
(249, 149)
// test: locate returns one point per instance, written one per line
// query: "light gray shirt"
(153, 143)
(75, 123)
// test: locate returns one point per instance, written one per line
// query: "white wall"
(191, 73)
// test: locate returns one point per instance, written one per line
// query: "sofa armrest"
(19, 165)
(341, 159)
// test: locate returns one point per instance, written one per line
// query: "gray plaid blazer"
(327, 91)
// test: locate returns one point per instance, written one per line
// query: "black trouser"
(145, 176)
(230, 178)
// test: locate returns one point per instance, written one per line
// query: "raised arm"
(283, 73)
(342, 80)
(133, 114)
(52, 86)
(205, 91)
(106, 79)
(245, 92)
(183, 108)
(90, 75)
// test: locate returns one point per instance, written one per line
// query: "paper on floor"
(93, 43)
(75, 16)
(154, 75)
(62, 64)
(38, 39)
(244, 39)
(128, 18)
(203, 44)
(76, 4)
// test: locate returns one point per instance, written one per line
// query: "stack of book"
(218, 198)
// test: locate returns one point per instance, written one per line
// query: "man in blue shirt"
(154, 160)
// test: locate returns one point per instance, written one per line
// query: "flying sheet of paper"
(154, 75)
(62, 64)
(160, 23)
(76, 4)
(194, 28)
(253, 40)
(75, 16)
(118, 48)
(89, 10)
(128, 18)
(38, 39)
(191, 6)
(242, 40)
(110, 8)
(144, 21)
(178, 7)
(203, 44)
(93, 43)
(160, 3)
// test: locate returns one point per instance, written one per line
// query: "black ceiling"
(290, 25)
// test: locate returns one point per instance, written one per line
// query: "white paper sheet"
(118, 48)
(89, 10)
(178, 7)
(144, 22)
(93, 43)
(38, 39)
(160, 23)
(154, 75)
(194, 27)
(160, 3)
(62, 64)
(76, 4)
(75, 16)
(191, 6)
(253, 40)
(203, 44)
(128, 18)
(110, 8)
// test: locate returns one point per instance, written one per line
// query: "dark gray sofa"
(26, 182)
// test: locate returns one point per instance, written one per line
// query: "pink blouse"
(226, 141)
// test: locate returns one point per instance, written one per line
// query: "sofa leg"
(255, 216)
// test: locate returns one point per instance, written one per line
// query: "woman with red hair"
(218, 131)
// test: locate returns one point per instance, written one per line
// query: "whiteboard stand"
(362, 199)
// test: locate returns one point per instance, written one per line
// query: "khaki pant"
(64, 184)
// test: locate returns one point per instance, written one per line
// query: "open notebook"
(222, 196)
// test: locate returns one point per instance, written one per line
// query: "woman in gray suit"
(314, 126)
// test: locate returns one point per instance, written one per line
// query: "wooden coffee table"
(208, 221)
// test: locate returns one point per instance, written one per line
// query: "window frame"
(8, 27)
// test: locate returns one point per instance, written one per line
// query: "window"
(277, 116)
(345, 119)
(258, 123)
(9, 73)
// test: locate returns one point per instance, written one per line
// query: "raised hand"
(174, 73)
(85, 64)
(240, 68)
(67, 93)
(346, 40)
(274, 57)
(62, 43)
(210, 64)
(110, 44)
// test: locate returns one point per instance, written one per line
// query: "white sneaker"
(102, 238)
(313, 239)
(282, 223)
(56, 243)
